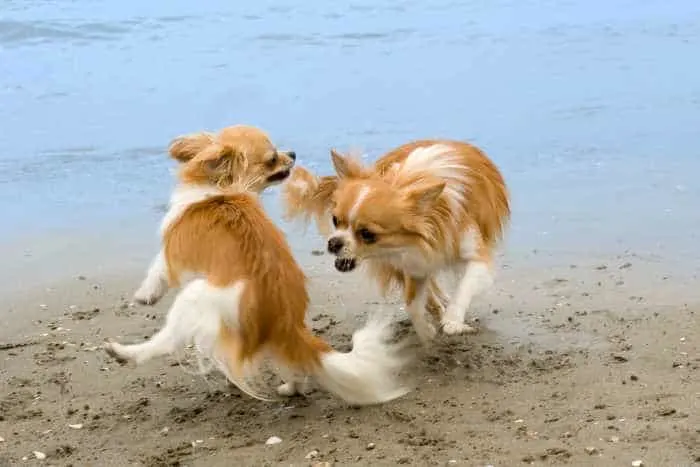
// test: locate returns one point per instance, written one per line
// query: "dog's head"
(378, 216)
(238, 154)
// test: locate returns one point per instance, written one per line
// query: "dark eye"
(335, 221)
(367, 236)
(273, 160)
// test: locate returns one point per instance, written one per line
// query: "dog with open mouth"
(249, 155)
(425, 207)
(244, 297)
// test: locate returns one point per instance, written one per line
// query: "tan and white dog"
(425, 207)
(248, 298)
(251, 156)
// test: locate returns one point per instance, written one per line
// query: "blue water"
(590, 107)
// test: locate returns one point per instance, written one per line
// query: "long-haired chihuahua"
(424, 207)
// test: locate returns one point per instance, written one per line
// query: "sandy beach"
(585, 363)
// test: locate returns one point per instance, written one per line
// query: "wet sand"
(587, 363)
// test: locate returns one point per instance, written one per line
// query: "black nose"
(292, 155)
(335, 245)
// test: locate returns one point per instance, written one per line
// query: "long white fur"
(441, 161)
(365, 375)
(195, 318)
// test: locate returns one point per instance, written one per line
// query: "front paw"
(148, 295)
(452, 328)
(116, 351)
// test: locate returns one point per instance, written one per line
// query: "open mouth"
(345, 264)
(278, 176)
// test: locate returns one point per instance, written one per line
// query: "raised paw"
(148, 296)
(452, 328)
(115, 350)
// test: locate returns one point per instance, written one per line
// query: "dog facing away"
(248, 299)
(250, 156)
(423, 208)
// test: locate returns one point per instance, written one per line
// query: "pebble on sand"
(637, 464)
(590, 450)
(76, 426)
(371, 446)
(273, 440)
(311, 455)
(2, 440)
(39, 455)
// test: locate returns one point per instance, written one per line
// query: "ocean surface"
(590, 107)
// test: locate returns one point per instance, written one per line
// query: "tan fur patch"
(229, 238)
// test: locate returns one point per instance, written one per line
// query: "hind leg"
(180, 323)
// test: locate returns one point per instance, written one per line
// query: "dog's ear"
(345, 167)
(186, 147)
(219, 160)
(217, 164)
(423, 193)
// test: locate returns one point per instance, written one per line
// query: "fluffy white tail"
(367, 374)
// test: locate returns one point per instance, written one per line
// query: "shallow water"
(590, 107)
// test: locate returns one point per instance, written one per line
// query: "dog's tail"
(226, 334)
(366, 375)
(308, 196)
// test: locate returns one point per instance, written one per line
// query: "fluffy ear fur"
(186, 147)
(423, 193)
(216, 164)
(345, 167)
(308, 196)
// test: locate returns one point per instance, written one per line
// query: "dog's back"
(229, 238)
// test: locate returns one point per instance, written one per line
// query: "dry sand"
(591, 363)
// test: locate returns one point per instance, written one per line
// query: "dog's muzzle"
(279, 176)
(345, 264)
